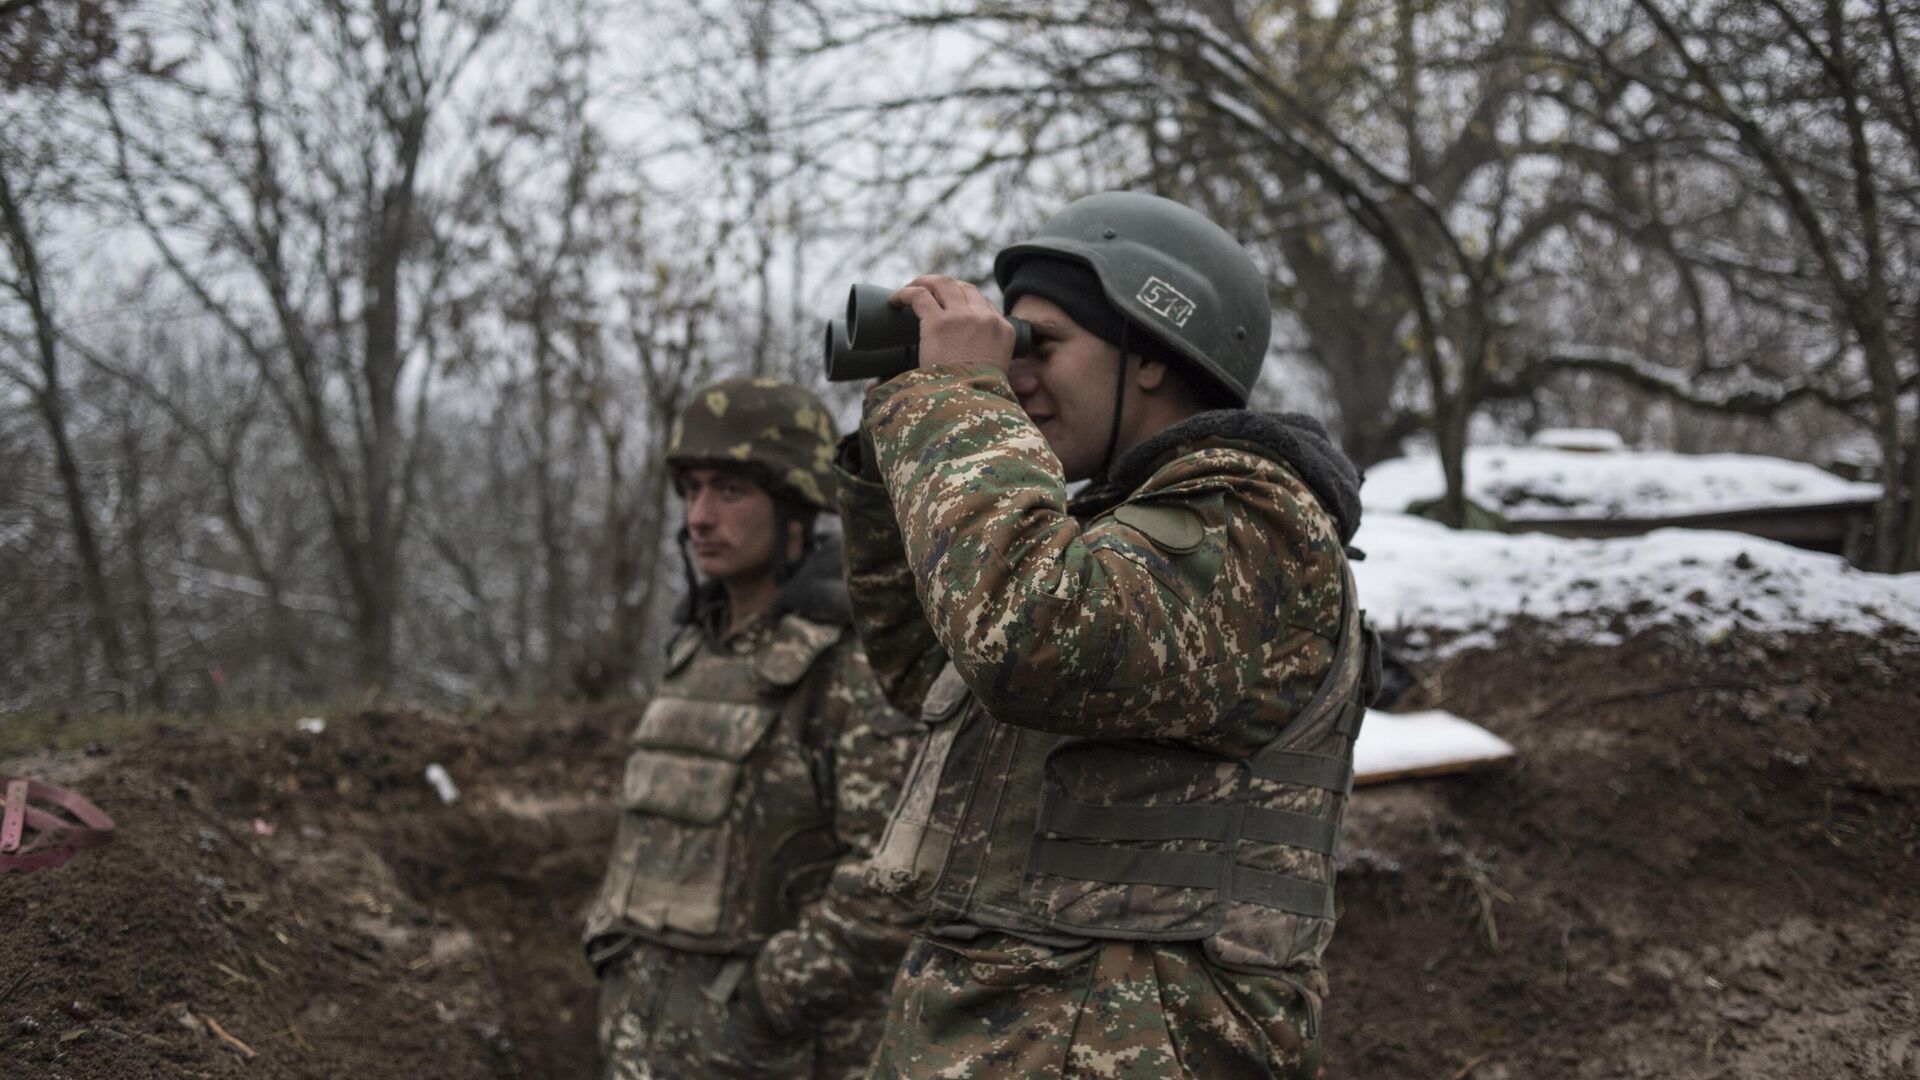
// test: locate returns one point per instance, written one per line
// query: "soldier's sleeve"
(1156, 621)
(902, 649)
(839, 958)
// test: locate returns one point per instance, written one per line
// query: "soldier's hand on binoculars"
(958, 324)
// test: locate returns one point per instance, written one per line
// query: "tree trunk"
(558, 606)
(48, 399)
(1910, 557)
(86, 543)
(134, 472)
(1450, 437)
(391, 206)
(1362, 383)
(373, 638)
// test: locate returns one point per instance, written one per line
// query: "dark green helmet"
(774, 431)
(1170, 271)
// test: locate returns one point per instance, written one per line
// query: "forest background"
(339, 338)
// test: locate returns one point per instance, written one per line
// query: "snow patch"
(1589, 440)
(1422, 576)
(1534, 482)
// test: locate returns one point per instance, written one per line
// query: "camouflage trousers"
(664, 1014)
(999, 1007)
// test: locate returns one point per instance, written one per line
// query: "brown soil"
(375, 933)
(1702, 864)
(1699, 867)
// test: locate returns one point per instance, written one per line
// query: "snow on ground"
(1404, 744)
(1421, 576)
(1593, 440)
(1536, 482)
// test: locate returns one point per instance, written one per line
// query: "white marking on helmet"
(1166, 301)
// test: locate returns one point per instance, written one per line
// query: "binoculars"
(878, 341)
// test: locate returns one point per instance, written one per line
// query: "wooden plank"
(1411, 746)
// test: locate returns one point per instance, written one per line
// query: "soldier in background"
(734, 934)
(1143, 703)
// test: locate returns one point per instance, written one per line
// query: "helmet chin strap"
(783, 567)
(1119, 400)
(686, 562)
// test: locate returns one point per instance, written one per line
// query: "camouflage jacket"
(1158, 635)
(801, 741)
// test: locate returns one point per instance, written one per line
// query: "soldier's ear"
(1150, 375)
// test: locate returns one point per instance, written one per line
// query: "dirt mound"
(1702, 864)
(181, 950)
(376, 761)
(312, 896)
(1699, 866)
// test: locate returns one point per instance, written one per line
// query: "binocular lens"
(879, 341)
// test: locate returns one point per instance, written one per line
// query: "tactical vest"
(1135, 839)
(726, 829)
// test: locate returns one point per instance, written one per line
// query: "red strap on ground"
(15, 820)
(32, 838)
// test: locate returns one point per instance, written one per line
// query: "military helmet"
(774, 431)
(1169, 270)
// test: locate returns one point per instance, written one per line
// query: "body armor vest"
(726, 829)
(1130, 838)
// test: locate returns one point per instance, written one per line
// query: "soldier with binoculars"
(1141, 704)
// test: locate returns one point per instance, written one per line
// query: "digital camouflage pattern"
(1149, 647)
(659, 1021)
(759, 779)
(781, 433)
(1095, 631)
(1014, 1010)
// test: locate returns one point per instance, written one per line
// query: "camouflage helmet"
(1170, 271)
(776, 432)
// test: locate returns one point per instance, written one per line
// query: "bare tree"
(47, 50)
(1387, 158)
(377, 393)
(545, 219)
(600, 313)
(216, 410)
(663, 339)
(285, 177)
(1814, 103)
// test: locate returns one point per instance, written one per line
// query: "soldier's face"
(1066, 386)
(730, 525)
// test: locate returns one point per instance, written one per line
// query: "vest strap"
(1351, 714)
(1313, 770)
(1270, 826)
(1137, 822)
(1130, 866)
(1290, 894)
(1183, 870)
(1371, 673)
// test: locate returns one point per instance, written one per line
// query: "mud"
(1701, 865)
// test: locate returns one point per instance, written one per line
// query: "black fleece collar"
(1293, 438)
